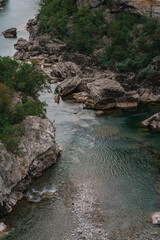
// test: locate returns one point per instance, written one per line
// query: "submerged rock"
(152, 122)
(10, 33)
(105, 131)
(38, 151)
(155, 217)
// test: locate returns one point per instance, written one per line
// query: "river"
(105, 183)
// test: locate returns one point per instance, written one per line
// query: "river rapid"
(105, 183)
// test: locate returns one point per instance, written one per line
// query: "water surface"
(105, 183)
(15, 13)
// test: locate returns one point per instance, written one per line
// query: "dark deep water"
(108, 166)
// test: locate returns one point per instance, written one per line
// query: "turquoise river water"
(105, 184)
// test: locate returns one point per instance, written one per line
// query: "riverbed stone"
(3, 227)
(10, 33)
(68, 85)
(155, 217)
(152, 122)
(62, 70)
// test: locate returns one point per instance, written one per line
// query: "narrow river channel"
(105, 183)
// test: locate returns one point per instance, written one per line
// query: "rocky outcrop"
(10, 33)
(68, 86)
(84, 78)
(153, 122)
(155, 217)
(107, 93)
(38, 151)
(145, 7)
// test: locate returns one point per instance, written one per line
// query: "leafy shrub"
(127, 65)
(146, 72)
(29, 81)
(5, 98)
(87, 29)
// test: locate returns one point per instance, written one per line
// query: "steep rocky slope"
(38, 151)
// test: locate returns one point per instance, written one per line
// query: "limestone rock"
(16, 98)
(144, 7)
(38, 152)
(108, 93)
(10, 33)
(3, 227)
(22, 44)
(152, 122)
(63, 70)
(155, 217)
(68, 85)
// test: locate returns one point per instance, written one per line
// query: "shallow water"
(15, 13)
(104, 185)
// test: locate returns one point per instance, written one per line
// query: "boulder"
(22, 44)
(155, 217)
(64, 70)
(38, 152)
(107, 93)
(3, 227)
(21, 55)
(68, 85)
(152, 122)
(10, 33)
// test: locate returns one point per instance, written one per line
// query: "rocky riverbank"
(83, 77)
(38, 151)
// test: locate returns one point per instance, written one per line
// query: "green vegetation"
(81, 30)
(24, 78)
(133, 40)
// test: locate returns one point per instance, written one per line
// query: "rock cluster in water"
(82, 76)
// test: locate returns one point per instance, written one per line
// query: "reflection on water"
(107, 155)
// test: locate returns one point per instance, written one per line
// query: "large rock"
(64, 70)
(38, 151)
(68, 85)
(155, 217)
(145, 7)
(152, 122)
(107, 93)
(10, 33)
(22, 44)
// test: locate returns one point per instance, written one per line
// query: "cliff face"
(146, 7)
(38, 151)
(139, 6)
